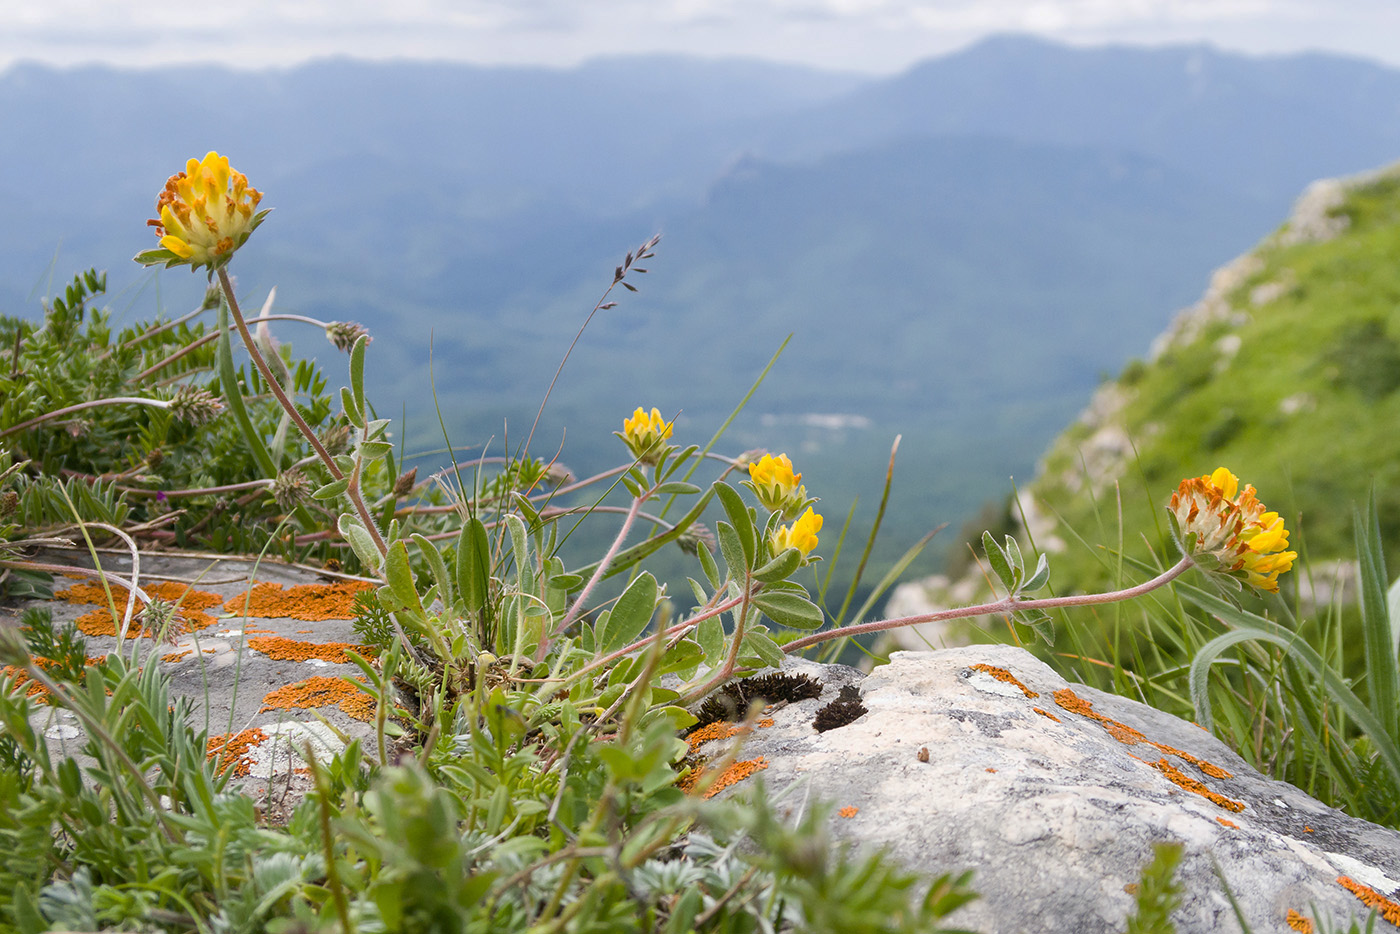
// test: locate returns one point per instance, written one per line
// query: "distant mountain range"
(960, 251)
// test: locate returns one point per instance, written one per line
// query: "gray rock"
(228, 678)
(1057, 805)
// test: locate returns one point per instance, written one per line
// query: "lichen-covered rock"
(260, 650)
(983, 758)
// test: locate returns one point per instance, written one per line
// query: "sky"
(872, 36)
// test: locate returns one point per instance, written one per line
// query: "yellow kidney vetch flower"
(801, 535)
(775, 484)
(645, 434)
(1227, 529)
(206, 213)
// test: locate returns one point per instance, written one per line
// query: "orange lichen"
(1046, 713)
(1386, 908)
(989, 769)
(1214, 771)
(737, 772)
(305, 632)
(720, 729)
(191, 604)
(1128, 736)
(1307, 829)
(1130, 887)
(231, 752)
(310, 602)
(1001, 674)
(1299, 922)
(1227, 823)
(848, 812)
(20, 676)
(173, 657)
(292, 650)
(1177, 777)
(322, 692)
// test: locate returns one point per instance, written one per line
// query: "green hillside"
(1286, 372)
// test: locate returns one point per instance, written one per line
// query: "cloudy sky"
(861, 35)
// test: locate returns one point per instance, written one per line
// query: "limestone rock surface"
(983, 758)
(258, 648)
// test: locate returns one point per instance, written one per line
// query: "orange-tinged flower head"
(206, 213)
(1228, 530)
(645, 434)
(801, 535)
(776, 486)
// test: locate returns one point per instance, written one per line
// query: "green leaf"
(707, 564)
(333, 489)
(681, 656)
(1013, 554)
(1040, 578)
(473, 564)
(155, 257)
(520, 546)
(997, 558)
(758, 643)
(630, 615)
(780, 567)
(676, 488)
(360, 541)
(1382, 675)
(399, 576)
(731, 549)
(566, 582)
(739, 517)
(790, 609)
(710, 635)
(697, 590)
(357, 372)
(431, 554)
(372, 450)
(347, 402)
(680, 717)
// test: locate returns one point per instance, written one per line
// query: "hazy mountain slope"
(1263, 126)
(1287, 372)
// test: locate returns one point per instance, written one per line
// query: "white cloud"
(871, 35)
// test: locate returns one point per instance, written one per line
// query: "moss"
(845, 709)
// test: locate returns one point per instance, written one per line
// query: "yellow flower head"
(646, 434)
(801, 535)
(206, 213)
(776, 486)
(1229, 530)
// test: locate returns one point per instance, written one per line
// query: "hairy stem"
(1005, 605)
(287, 406)
(83, 406)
